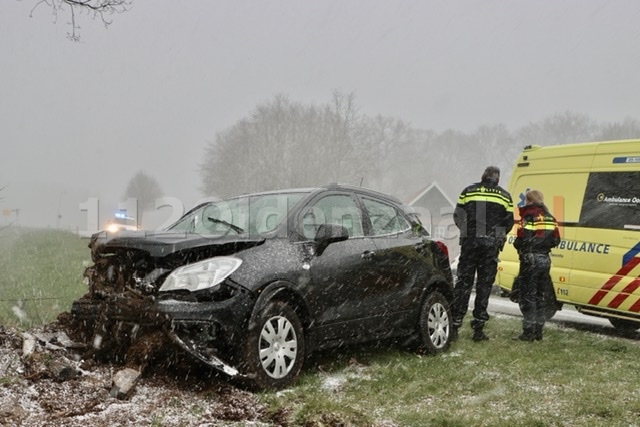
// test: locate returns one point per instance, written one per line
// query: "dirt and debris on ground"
(43, 382)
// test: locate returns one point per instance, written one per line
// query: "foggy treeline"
(145, 189)
(286, 144)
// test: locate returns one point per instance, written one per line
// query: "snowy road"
(568, 317)
(498, 304)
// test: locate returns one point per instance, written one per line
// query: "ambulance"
(593, 190)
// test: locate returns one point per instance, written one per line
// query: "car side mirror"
(327, 234)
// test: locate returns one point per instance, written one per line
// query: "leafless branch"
(97, 9)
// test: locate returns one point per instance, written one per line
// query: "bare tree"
(627, 129)
(96, 9)
(392, 151)
(145, 189)
(499, 149)
(560, 128)
(288, 144)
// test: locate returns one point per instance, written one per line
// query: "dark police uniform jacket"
(484, 209)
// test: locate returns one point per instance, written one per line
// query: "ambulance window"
(612, 200)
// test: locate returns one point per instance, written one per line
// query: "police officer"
(484, 215)
(537, 233)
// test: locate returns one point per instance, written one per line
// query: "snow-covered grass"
(41, 274)
(571, 378)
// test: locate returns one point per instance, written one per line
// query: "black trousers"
(478, 256)
(534, 277)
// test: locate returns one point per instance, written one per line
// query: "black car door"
(400, 266)
(338, 293)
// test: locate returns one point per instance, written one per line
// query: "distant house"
(436, 213)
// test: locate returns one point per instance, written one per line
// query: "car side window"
(339, 209)
(385, 219)
(267, 219)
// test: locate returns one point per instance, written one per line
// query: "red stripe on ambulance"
(622, 296)
(635, 307)
(606, 288)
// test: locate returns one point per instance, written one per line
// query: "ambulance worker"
(537, 233)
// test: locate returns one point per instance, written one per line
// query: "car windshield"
(251, 214)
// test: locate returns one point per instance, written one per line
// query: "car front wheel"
(275, 349)
(435, 324)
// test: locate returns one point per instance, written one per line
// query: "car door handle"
(368, 255)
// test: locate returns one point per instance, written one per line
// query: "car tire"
(436, 324)
(275, 348)
(624, 325)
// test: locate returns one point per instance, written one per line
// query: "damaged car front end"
(251, 285)
(208, 312)
(139, 285)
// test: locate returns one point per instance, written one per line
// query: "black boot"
(455, 327)
(479, 335)
(528, 335)
(537, 333)
(453, 334)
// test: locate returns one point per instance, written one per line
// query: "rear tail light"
(443, 248)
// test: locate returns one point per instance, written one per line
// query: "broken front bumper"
(211, 331)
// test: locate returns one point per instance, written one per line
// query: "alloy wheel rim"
(438, 325)
(278, 347)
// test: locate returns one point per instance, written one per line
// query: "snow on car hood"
(162, 243)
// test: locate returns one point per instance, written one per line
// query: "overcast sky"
(78, 120)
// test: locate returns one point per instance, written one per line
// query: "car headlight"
(201, 275)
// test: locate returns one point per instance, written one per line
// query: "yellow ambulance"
(593, 190)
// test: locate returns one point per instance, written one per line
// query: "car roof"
(333, 186)
(330, 187)
(364, 190)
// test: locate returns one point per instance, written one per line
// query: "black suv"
(252, 284)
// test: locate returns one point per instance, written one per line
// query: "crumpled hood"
(159, 244)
